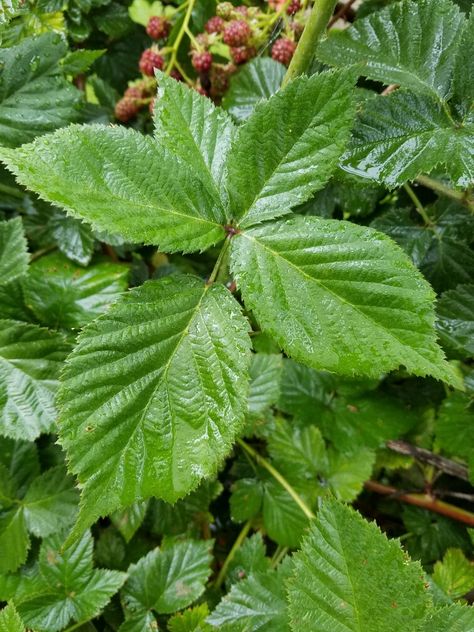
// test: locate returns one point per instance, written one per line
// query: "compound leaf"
(349, 576)
(123, 182)
(289, 147)
(154, 394)
(30, 361)
(339, 297)
(13, 250)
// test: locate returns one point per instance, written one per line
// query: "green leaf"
(403, 134)
(51, 502)
(454, 425)
(265, 370)
(413, 44)
(455, 574)
(20, 459)
(30, 361)
(73, 237)
(192, 620)
(79, 61)
(13, 251)
(249, 558)
(169, 579)
(463, 88)
(349, 576)
(289, 147)
(69, 588)
(256, 603)
(455, 618)
(341, 297)
(63, 295)
(34, 97)
(456, 319)
(8, 9)
(14, 540)
(191, 127)
(10, 620)
(129, 520)
(256, 81)
(141, 11)
(141, 622)
(122, 182)
(129, 428)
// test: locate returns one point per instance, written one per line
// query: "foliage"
(242, 307)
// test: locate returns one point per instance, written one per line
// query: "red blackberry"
(293, 7)
(241, 54)
(201, 61)
(283, 50)
(176, 75)
(150, 60)
(125, 109)
(215, 25)
(134, 92)
(158, 28)
(236, 33)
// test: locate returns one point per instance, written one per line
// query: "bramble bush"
(236, 298)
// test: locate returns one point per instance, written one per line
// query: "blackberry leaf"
(10, 620)
(13, 250)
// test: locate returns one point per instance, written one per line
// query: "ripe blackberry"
(293, 7)
(201, 61)
(283, 50)
(158, 28)
(215, 25)
(150, 60)
(242, 54)
(236, 33)
(125, 109)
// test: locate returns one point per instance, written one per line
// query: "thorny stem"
(426, 501)
(260, 460)
(220, 260)
(418, 205)
(235, 547)
(318, 20)
(460, 196)
(179, 38)
(453, 468)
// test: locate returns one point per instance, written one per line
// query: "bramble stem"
(418, 205)
(215, 274)
(426, 501)
(235, 547)
(260, 460)
(460, 196)
(182, 31)
(318, 20)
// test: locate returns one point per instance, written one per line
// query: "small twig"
(40, 253)
(462, 197)
(341, 13)
(235, 547)
(220, 261)
(423, 500)
(389, 89)
(440, 462)
(418, 205)
(279, 554)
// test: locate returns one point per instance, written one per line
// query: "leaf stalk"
(235, 547)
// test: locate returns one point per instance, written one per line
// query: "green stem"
(75, 626)
(216, 273)
(418, 205)
(260, 460)
(460, 196)
(182, 31)
(16, 193)
(318, 20)
(279, 554)
(235, 547)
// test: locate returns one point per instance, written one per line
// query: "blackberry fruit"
(201, 61)
(158, 28)
(125, 109)
(150, 60)
(283, 50)
(236, 33)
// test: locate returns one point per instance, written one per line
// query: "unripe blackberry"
(283, 50)
(201, 61)
(158, 28)
(150, 60)
(236, 33)
(242, 9)
(125, 109)
(215, 25)
(225, 10)
(242, 54)
(219, 80)
(134, 92)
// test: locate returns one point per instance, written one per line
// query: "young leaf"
(256, 81)
(191, 620)
(30, 361)
(194, 129)
(403, 134)
(413, 44)
(168, 580)
(456, 319)
(62, 295)
(68, 587)
(455, 574)
(349, 576)
(13, 251)
(289, 147)
(455, 618)
(123, 182)
(10, 620)
(249, 558)
(339, 297)
(256, 603)
(154, 411)
(34, 97)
